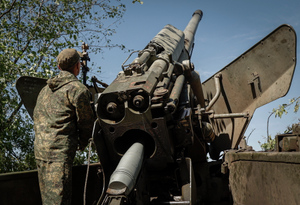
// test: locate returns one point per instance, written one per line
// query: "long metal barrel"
(190, 30)
(191, 75)
(124, 177)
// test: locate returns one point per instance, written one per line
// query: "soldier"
(63, 122)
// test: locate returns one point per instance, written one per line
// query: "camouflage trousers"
(55, 180)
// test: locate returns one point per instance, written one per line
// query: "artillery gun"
(156, 122)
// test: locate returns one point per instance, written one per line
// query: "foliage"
(268, 145)
(32, 33)
(282, 109)
(82, 156)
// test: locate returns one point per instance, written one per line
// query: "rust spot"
(132, 84)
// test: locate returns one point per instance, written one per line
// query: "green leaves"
(139, 1)
(32, 33)
(268, 145)
(282, 109)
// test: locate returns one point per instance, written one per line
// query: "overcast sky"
(228, 28)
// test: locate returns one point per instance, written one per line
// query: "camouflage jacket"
(63, 118)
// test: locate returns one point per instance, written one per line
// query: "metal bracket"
(251, 83)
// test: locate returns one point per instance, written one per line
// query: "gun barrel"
(124, 177)
(191, 28)
(175, 94)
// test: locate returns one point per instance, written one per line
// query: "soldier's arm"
(85, 118)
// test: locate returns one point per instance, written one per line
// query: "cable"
(87, 171)
(103, 186)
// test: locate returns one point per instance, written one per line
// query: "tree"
(282, 109)
(32, 33)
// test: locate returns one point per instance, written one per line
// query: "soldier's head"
(69, 60)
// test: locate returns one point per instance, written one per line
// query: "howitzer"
(158, 100)
(152, 101)
(156, 121)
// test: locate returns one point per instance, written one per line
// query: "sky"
(228, 28)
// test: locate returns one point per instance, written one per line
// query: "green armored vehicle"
(157, 121)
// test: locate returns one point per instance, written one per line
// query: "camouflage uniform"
(63, 118)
